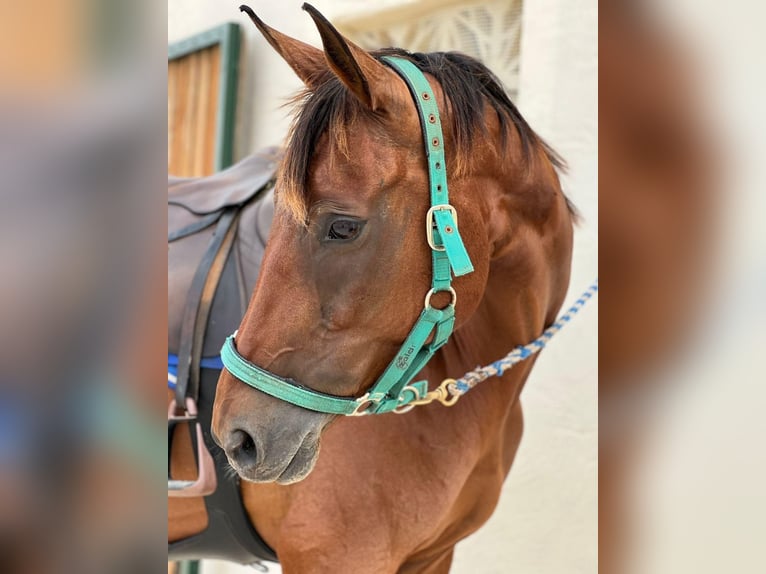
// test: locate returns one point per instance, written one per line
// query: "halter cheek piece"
(393, 389)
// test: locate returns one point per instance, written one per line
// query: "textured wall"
(546, 521)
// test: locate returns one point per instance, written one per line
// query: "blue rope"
(518, 354)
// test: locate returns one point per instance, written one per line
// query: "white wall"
(265, 81)
(547, 518)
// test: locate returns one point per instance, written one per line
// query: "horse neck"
(506, 317)
(525, 288)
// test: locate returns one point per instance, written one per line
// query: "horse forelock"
(468, 87)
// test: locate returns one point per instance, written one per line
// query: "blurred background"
(82, 274)
(682, 259)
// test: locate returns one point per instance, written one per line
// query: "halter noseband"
(393, 388)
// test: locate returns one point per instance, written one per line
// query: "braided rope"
(496, 369)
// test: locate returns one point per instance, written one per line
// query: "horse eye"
(344, 229)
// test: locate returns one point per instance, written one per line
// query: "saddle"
(217, 232)
(195, 209)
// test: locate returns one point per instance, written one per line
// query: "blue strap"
(412, 356)
(433, 139)
(453, 243)
(206, 362)
(442, 279)
(214, 363)
(281, 388)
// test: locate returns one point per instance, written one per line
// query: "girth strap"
(198, 303)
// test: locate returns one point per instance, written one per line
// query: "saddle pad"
(233, 186)
(214, 363)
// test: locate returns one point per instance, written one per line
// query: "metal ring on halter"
(400, 410)
(450, 290)
(363, 406)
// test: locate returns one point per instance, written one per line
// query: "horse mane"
(467, 85)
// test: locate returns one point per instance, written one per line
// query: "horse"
(343, 280)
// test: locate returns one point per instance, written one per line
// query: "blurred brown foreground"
(683, 274)
(82, 320)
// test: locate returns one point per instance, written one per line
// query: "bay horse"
(343, 280)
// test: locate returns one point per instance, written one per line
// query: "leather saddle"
(218, 227)
(195, 206)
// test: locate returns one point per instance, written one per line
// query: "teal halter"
(393, 390)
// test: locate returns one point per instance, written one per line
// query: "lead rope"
(450, 390)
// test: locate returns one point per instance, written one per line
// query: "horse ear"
(306, 60)
(357, 69)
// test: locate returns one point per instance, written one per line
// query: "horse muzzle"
(267, 440)
(282, 461)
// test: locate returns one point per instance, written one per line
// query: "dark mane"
(467, 84)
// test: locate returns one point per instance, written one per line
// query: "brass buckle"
(432, 292)
(430, 223)
(444, 394)
(400, 410)
(363, 406)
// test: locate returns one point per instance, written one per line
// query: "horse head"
(347, 265)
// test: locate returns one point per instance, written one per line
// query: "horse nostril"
(241, 448)
(247, 443)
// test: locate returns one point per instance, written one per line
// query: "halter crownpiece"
(392, 390)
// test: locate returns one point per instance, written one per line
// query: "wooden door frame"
(227, 37)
